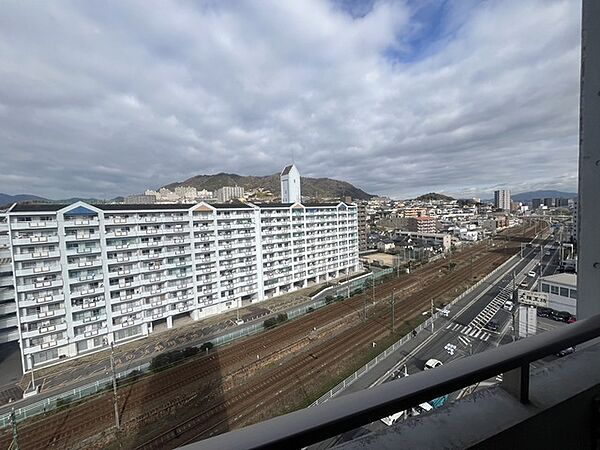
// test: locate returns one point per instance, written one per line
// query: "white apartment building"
(502, 199)
(8, 308)
(227, 193)
(87, 275)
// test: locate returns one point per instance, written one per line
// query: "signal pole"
(393, 304)
(431, 316)
(15, 432)
(114, 380)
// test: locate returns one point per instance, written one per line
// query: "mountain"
(311, 187)
(434, 196)
(6, 199)
(528, 196)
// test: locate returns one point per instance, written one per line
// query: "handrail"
(304, 427)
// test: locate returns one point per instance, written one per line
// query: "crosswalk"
(469, 332)
(491, 308)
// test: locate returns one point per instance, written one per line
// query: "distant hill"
(528, 196)
(311, 187)
(6, 199)
(434, 196)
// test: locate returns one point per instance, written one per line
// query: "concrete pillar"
(588, 239)
(170, 322)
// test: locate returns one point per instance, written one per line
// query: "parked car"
(532, 274)
(492, 325)
(432, 364)
(572, 319)
(523, 284)
(565, 352)
(543, 312)
(560, 316)
(508, 305)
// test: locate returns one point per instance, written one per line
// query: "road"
(463, 332)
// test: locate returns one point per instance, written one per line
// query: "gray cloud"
(111, 98)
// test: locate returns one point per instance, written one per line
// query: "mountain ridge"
(311, 187)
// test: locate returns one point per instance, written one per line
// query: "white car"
(532, 274)
(508, 305)
(432, 364)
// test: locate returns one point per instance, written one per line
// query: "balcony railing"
(305, 427)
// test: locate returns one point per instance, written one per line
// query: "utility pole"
(431, 316)
(15, 432)
(114, 380)
(393, 305)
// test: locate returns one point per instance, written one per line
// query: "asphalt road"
(459, 330)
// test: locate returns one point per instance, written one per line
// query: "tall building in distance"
(89, 275)
(290, 185)
(227, 193)
(502, 199)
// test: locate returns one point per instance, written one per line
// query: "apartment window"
(573, 293)
(564, 292)
(545, 287)
(554, 290)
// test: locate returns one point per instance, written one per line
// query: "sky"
(399, 98)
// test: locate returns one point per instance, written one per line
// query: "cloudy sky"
(397, 97)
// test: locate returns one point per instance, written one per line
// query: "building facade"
(363, 231)
(227, 193)
(290, 185)
(87, 275)
(562, 291)
(422, 224)
(502, 199)
(8, 308)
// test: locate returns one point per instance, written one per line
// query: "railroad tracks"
(64, 429)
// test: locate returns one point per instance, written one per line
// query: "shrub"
(207, 346)
(270, 323)
(167, 359)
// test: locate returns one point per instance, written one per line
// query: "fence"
(371, 364)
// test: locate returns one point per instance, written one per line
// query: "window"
(554, 290)
(545, 287)
(573, 293)
(564, 292)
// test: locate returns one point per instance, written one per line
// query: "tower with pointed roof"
(290, 184)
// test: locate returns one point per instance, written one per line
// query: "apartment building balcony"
(205, 238)
(39, 254)
(89, 319)
(82, 237)
(126, 309)
(85, 278)
(176, 230)
(33, 224)
(43, 330)
(43, 315)
(41, 269)
(82, 292)
(48, 344)
(176, 218)
(83, 263)
(81, 222)
(83, 250)
(125, 296)
(155, 255)
(121, 271)
(37, 285)
(39, 239)
(87, 334)
(116, 220)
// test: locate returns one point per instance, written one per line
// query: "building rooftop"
(286, 170)
(566, 279)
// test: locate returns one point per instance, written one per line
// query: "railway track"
(61, 429)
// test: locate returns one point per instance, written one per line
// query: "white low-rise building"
(562, 291)
(87, 275)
